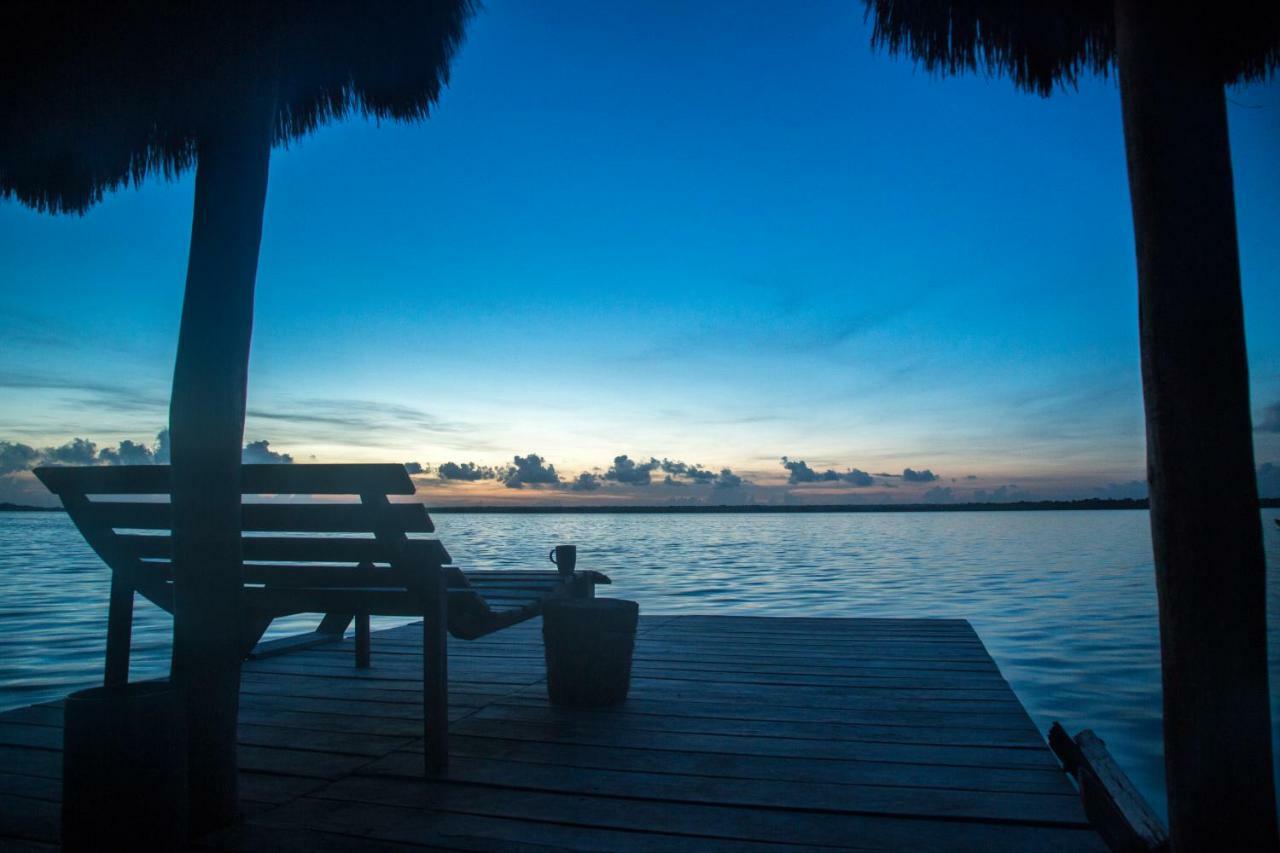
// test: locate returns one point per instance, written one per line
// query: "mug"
(565, 557)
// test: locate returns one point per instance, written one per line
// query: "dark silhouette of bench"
(297, 560)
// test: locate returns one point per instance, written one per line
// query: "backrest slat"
(294, 549)
(279, 575)
(267, 518)
(338, 479)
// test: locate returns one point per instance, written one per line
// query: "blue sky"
(702, 232)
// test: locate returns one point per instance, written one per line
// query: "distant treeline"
(1019, 506)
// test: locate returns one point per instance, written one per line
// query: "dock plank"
(741, 733)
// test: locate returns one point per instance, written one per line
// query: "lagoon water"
(1065, 601)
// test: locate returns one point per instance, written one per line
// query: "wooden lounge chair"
(381, 572)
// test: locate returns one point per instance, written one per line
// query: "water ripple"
(1065, 601)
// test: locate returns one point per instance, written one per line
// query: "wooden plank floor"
(741, 733)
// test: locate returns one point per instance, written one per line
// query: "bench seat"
(347, 560)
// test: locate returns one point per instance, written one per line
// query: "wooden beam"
(1114, 806)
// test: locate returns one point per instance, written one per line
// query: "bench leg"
(334, 623)
(119, 631)
(362, 640)
(435, 677)
(252, 628)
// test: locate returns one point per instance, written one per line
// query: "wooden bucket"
(124, 769)
(588, 644)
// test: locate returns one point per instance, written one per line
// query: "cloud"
(128, 453)
(1269, 480)
(15, 457)
(628, 472)
(726, 479)
(1270, 419)
(938, 495)
(693, 473)
(468, 472)
(529, 471)
(925, 476)
(585, 482)
(104, 395)
(414, 468)
(78, 451)
(349, 421)
(260, 453)
(857, 478)
(800, 472)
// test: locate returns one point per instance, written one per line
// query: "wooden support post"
(206, 428)
(435, 675)
(119, 631)
(1206, 533)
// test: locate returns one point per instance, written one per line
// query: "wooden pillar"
(1210, 570)
(206, 425)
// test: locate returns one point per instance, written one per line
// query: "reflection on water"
(1065, 601)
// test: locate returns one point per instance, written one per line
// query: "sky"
(633, 233)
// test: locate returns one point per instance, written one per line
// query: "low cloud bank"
(16, 456)
(799, 473)
(625, 475)
(530, 470)
(467, 472)
(260, 453)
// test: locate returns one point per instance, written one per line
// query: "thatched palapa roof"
(1044, 43)
(96, 95)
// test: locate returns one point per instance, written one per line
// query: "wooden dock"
(741, 734)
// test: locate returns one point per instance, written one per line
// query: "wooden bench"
(123, 513)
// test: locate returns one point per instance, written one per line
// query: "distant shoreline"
(1019, 506)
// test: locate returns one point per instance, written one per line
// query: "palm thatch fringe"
(1045, 44)
(95, 96)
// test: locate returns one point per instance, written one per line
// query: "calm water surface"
(1065, 601)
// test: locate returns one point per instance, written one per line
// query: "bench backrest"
(123, 513)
